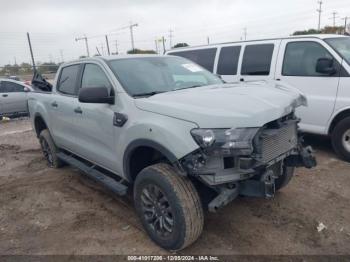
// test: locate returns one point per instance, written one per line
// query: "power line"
(319, 10)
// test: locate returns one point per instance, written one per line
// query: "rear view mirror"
(97, 95)
(26, 89)
(325, 66)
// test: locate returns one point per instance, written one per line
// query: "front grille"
(273, 142)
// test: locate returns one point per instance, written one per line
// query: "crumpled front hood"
(251, 104)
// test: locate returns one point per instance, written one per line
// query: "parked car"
(14, 78)
(318, 65)
(165, 127)
(13, 98)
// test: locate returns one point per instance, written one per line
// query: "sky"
(54, 24)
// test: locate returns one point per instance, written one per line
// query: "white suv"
(318, 65)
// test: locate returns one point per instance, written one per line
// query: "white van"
(318, 65)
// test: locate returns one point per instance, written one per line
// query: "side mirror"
(325, 66)
(97, 95)
(26, 89)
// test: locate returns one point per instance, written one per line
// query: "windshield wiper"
(187, 87)
(149, 93)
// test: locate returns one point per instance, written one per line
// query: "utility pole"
(102, 49)
(245, 33)
(334, 16)
(116, 47)
(208, 40)
(170, 38)
(156, 42)
(61, 53)
(31, 51)
(109, 53)
(86, 43)
(345, 23)
(163, 40)
(319, 10)
(132, 35)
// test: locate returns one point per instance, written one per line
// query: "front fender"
(168, 135)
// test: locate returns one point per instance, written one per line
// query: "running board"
(110, 183)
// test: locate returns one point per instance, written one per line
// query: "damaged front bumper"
(276, 147)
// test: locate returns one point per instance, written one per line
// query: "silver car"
(13, 98)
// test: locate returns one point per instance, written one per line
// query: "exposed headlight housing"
(234, 141)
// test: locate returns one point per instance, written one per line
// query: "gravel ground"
(48, 211)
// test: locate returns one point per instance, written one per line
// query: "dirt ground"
(47, 211)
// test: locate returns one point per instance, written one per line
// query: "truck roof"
(113, 57)
(319, 36)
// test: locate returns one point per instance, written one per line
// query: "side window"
(203, 57)
(68, 80)
(9, 87)
(93, 76)
(257, 59)
(300, 58)
(2, 89)
(228, 60)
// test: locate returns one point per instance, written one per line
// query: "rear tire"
(341, 139)
(49, 149)
(285, 178)
(168, 206)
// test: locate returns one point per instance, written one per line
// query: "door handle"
(278, 79)
(78, 110)
(242, 79)
(5, 95)
(54, 104)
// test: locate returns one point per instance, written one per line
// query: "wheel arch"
(337, 118)
(146, 149)
(39, 123)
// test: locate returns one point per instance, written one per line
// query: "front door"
(297, 67)
(97, 136)
(13, 98)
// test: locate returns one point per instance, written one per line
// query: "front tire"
(49, 149)
(285, 178)
(341, 139)
(168, 206)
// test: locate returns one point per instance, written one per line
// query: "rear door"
(13, 98)
(62, 105)
(258, 61)
(297, 67)
(228, 61)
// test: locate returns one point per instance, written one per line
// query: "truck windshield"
(146, 76)
(341, 45)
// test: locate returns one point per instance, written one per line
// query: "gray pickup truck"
(172, 132)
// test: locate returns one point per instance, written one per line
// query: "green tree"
(325, 30)
(140, 51)
(180, 45)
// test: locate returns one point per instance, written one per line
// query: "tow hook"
(268, 178)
